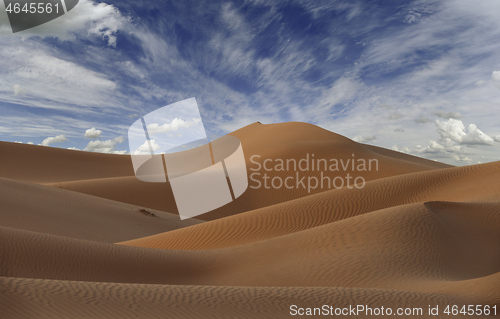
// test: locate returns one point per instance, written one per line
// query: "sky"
(420, 77)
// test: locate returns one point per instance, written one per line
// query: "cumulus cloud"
(464, 159)
(93, 133)
(145, 149)
(444, 148)
(18, 90)
(172, 126)
(107, 146)
(448, 115)
(52, 140)
(364, 139)
(455, 130)
(403, 149)
(400, 130)
(454, 141)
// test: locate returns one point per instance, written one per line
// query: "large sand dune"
(286, 141)
(453, 184)
(419, 233)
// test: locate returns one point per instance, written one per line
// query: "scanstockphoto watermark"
(310, 172)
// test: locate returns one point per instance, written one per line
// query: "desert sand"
(81, 237)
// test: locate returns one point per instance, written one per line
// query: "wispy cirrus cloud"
(95, 19)
(265, 60)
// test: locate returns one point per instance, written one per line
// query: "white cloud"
(417, 13)
(98, 19)
(448, 115)
(93, 133)
(51, 81)
(54, 79)
(119, 152)
(73, 148)
(51, 140)
(342, 91)
(442, 149)
(455, 131)
(455, 142)
(446, 81)
(145, 149)
(464, 159)
(18, 90)
(364, 139)
(107, 146)
(470, 52)
(403, 149)
(172, 126)
(30, 126)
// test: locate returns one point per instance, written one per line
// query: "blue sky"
(417, 76)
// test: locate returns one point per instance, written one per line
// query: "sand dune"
(35, 298)
(425, 247)
(41, 164)
(453, 184)
(419, 233)
(60, 212)
(286, 141)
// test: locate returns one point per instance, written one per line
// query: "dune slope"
(61, 212)
(478, 182)
(41, 164)
(417, 247)
(30, 298)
